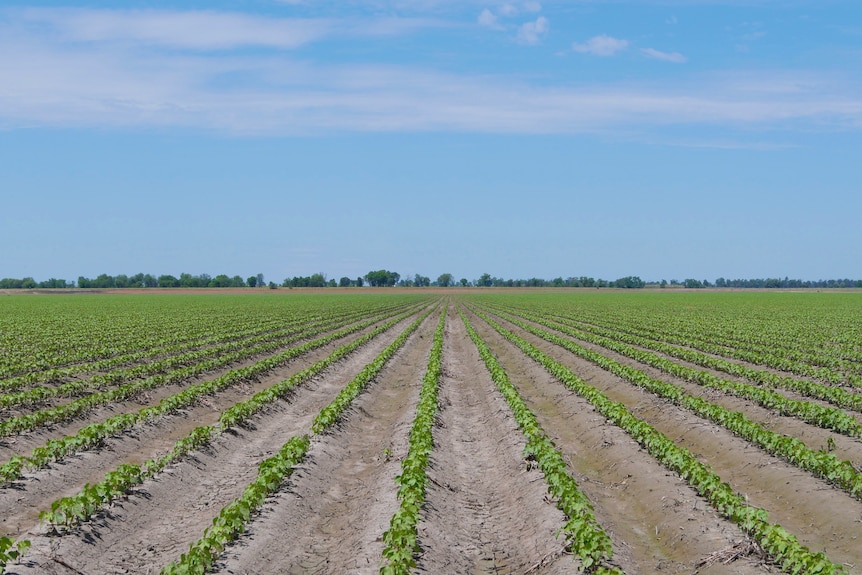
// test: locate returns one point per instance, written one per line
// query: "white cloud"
(202, 30)
(48, 80)
(533, 32)
(510, 10)
(602, 45)
(489, 20)
(674, 57)
(179, 29)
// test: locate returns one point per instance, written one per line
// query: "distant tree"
(168, 281)
(29, 283)
(190, 281)
(52, 283)
(692, 283)
(251, 281)
(485, 281)
(359, 282)
(421, 281)
(629, 282)
(259, 281)
(382, 278)
(317, 280)
(220, 281)
(444, 280)
(272, 285)
(344, 282)
(464, 282)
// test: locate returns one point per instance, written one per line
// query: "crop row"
(780, 545)
(231, 521)
(94, 434)
(173, 368)
(51, 333)
(832, 394)
(129, 358)
(772, 353)
(71, 510)
(586, 539)
(400, 539)
(154, 360)
(80, 406)
(821, 463)
(823, 416)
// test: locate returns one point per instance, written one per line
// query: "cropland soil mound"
(487, 507)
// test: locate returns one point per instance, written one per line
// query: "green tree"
(444, 280)
(381, 278)
(464, 282)
(252, 281)
(168, 281)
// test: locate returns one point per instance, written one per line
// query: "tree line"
(386, 278)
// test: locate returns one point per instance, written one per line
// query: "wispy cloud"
(533, 32)
(201, 30)
(104, 82)
(602, 45)
(489, 20)
(674, 57)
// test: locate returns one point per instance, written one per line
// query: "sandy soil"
(822, 517)
(486, 512)
(164, 516)
(20, 506)
(336, 508)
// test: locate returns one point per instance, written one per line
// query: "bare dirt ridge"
(486, 510)
(20, 505)
(824, 518)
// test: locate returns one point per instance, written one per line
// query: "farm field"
(431, 431)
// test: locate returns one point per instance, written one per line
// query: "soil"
(486, 510)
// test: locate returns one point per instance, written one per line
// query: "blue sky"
(664, 139)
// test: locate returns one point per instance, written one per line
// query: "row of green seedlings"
(826, 417)
(155, 351)
(762, 354)
(69, 511)
(400, 540)
(780, 546)
(75, 350)
(94, 435)
(832, 394)
(584, 536)
(823, 464)
(11, 550)
(791, 338)
(231, 522)
(199, 360)
(65, 412)
(262, 332)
